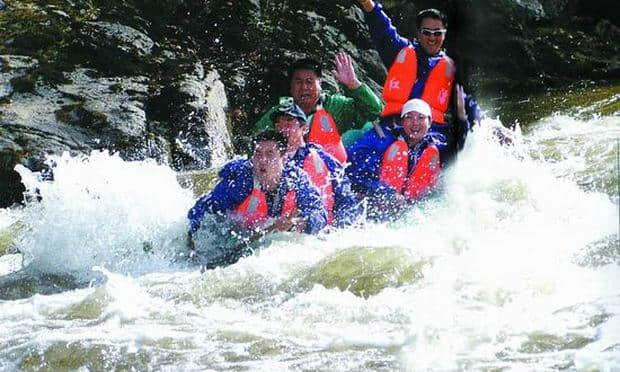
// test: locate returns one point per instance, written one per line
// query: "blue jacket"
(346, 204)
(366, 155)
(389, 43)
(236, 183)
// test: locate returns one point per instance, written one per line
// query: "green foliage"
(273, 15)
(46, 31)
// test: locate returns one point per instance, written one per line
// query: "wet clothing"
(237, 183)
(366, 157)
(324, 131)
(401, 79)
(389, 44)
(352, 112)
(253, 211)
(346, 207)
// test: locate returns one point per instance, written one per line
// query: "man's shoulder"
(329, 99)
(235, 168)
(265, 120)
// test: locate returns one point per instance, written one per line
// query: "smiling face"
(292, 128)
(305, 89)
(431, 43)
(415, 126)
(268, 163)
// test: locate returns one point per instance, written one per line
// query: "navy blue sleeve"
(384, 35)
(309, 203)
(365, 156)
(463, 127)
(347, 207)
(234, 185)
(474, 114)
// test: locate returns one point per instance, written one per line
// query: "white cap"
(416, 105)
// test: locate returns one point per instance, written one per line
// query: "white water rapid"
(513, 265)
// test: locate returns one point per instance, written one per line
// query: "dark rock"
(126, 40)
(12, 69)
(195, 107)
(558, 8)
(11, 188)
(177, 79)
(114, 48)
(113, 107)
(28, 282)
(599, 9)
(607, 30)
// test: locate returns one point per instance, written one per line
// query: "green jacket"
(352, 112)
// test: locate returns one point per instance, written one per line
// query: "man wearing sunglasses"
(419, 68)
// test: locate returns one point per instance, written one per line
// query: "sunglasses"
(433, 32)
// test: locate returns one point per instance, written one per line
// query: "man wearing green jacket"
(329, 115)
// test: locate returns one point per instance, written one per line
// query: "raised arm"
(360, 105)
(384, 35)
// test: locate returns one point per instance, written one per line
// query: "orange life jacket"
(421, 179)
(403, 75)
(253, 211)
(323, 131)
(319, 176)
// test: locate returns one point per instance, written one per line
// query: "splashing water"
(513, 264)
(126, 216)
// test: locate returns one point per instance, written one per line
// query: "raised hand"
(344, 72)
(367, 5)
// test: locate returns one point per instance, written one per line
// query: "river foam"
(512, 264)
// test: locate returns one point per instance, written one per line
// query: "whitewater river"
(513, 265)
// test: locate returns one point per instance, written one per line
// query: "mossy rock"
(366, 271)
(539, 342)
(200, 182)
(8, 235)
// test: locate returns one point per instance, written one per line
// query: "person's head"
(291, 121)
(432, 26)
(416, 119)
(268, 158)
(305, 83)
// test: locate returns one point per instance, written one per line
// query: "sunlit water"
(513, 265)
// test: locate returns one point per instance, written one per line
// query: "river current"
(514, 264)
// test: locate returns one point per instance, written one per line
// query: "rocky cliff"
(181, 80)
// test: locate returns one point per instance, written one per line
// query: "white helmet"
(416, 105)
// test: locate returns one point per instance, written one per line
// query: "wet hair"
(305, 64)
(431, 13)
(271, 135)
